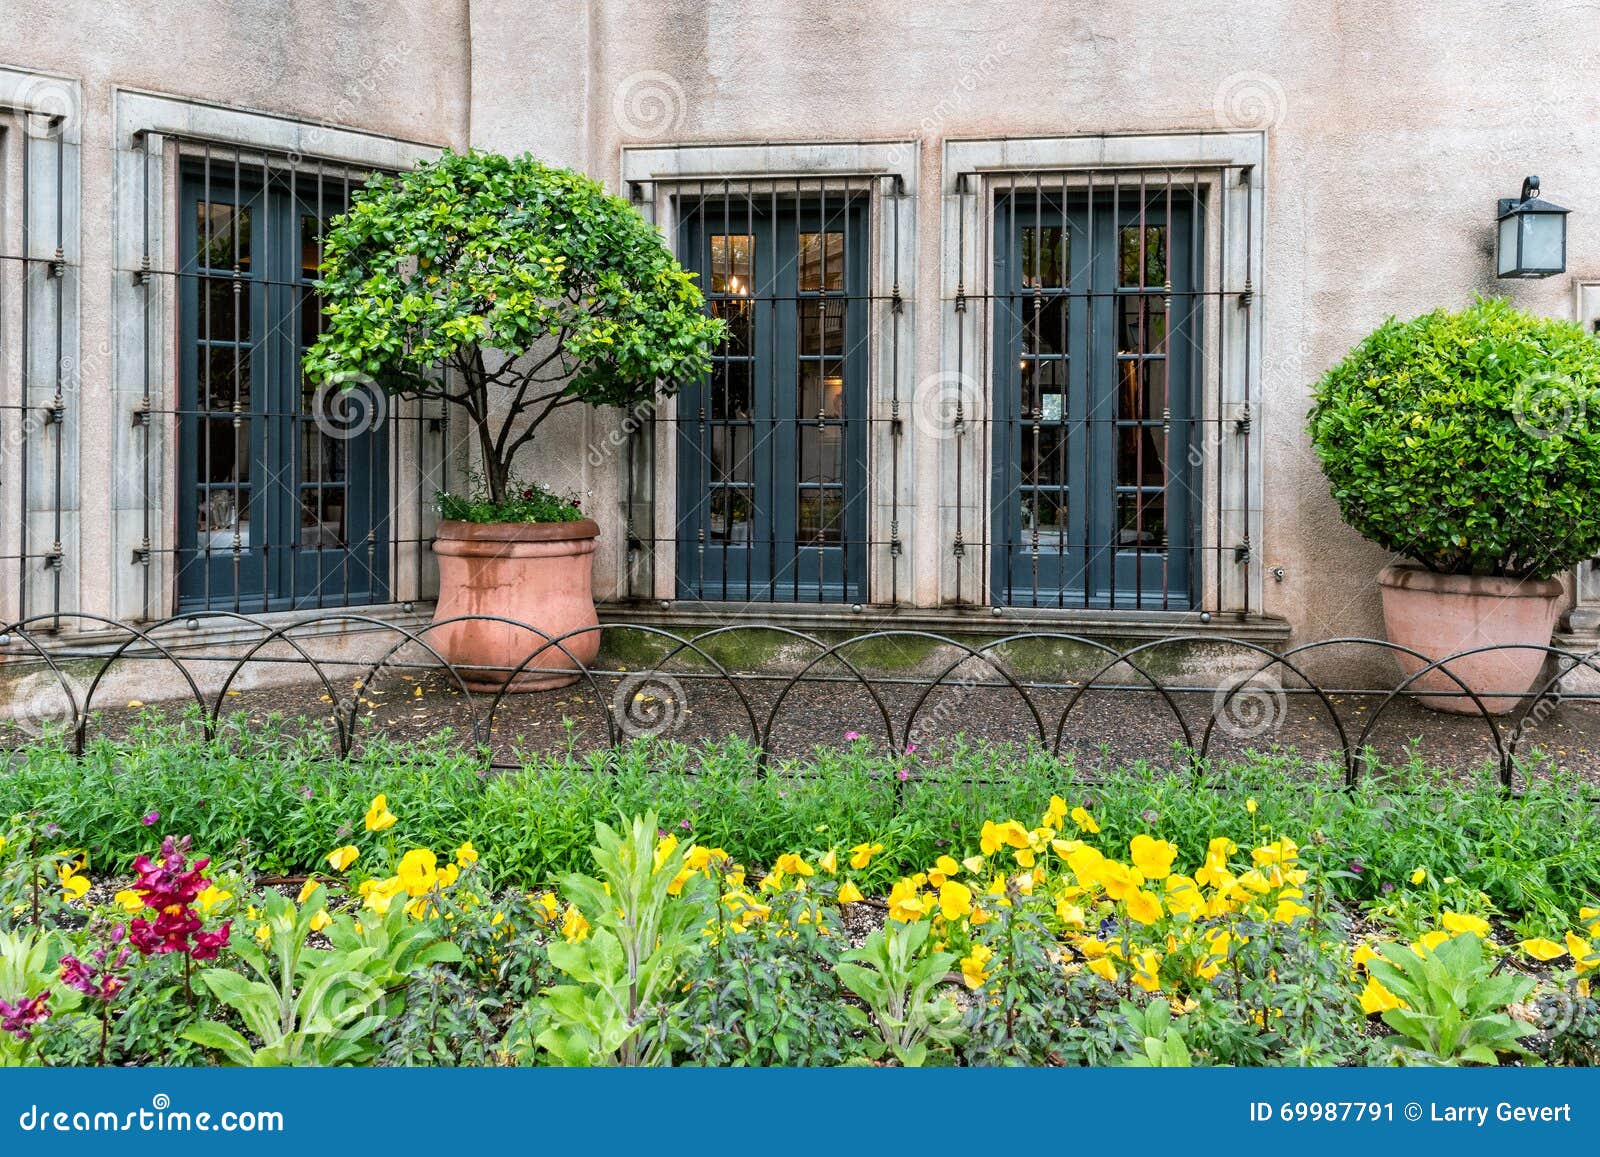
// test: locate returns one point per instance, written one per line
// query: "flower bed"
(1136, 921)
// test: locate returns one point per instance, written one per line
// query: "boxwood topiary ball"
(1468, 441)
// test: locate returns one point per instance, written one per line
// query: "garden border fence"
(106, 642)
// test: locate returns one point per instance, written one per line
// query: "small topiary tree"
(1468, 441)
(530, 285)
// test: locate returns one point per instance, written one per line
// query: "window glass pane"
(310, 317)
(821, 327)
(1142, 520)
(1044, 456)
(1045, 510)
(1141, 456)
(739, 317)
(218, 513)
(1044, 390)
(224, 377)
(1045, 251)
(731, 460)
(821, 454)
(227, 446)
(322, 459)
(822, 262)
(1154, 254)
(311, 227)
(224, 314)
(821, 390)
(732, 256)
(819, 512)
(730, 389)
(1141, 323)
(730, 515)
(1143, 392)
(322, 516)
(1046, 330)
(222, 233)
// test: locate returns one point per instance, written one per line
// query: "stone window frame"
(648, 175)
(152, 131)
(40, 120)
(967, 246)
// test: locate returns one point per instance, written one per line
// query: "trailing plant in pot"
(509, 290)
(1469, 444)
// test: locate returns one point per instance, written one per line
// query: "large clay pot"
(536, 573)
(1443, 614)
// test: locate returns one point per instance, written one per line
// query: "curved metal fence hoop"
(141, 636)
(580, 667)
(409, 636)
(756, 729)
(281, 633)
(1545, 689)
(692, 644)
(869, 636)
(20, 631)
(1275, 658)
(1125, 657)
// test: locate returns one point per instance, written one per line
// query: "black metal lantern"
(1532, 235)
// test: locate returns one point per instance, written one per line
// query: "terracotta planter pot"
(1440, 615)
(535, 573)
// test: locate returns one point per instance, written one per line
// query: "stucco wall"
(1393, 126)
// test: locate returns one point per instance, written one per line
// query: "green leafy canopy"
(1468, 441)
(509, 288)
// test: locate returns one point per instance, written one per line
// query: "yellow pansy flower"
(1144, 907)
(1582, 952)
(861, 855)
(995, 836)
(546, 903)
(341, 858)
(448, 875)
(944, 867)
(1429, 941)
(306, 889)
(1070, 914)
(73, 883)
(1146, 970)
(378, 815)
(955, 900)
(574, 927)
(1362, 954)
(1282, 850)
(1104, 968)
(830, 862)
(791, 864)
(211, 898)
(974, 966)
(1085, 821)
(1288, 911)
(907, 904)
(1458, 922)
(129, 900)
(1118, 880)
(1541, 949)
(1152, 857)
(466, 854)
(1418, 875)
(1251, 806)
(320, 921)
(418, 871)
(1375, 998)
(665, 846)
(849, 893)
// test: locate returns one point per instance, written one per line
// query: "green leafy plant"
(523, 502)
(1468, 441)
(313, 1006)
(898, 982)
(509, 289)
(1157, 1037)
(619, 1008)
(1454, 1003)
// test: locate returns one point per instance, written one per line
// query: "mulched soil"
(1103, 729)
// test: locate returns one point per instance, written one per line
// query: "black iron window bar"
(798, 314)
(1125, 504)
(39, 413)
(218, 285)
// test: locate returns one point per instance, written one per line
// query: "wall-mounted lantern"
(1532, 235)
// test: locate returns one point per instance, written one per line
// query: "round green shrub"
(1468, 441)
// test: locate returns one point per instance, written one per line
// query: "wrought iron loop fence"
(945, 684)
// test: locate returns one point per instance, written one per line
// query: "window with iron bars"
(775, 449)
(285, 493)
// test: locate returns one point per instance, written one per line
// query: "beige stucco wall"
(1392, 127)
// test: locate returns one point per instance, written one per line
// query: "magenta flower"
(150, 818)
(102, 979)
(208, 944)
(169, 886)
(902, 775)
(18, 1019)
(911, 749)
(851, 736)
